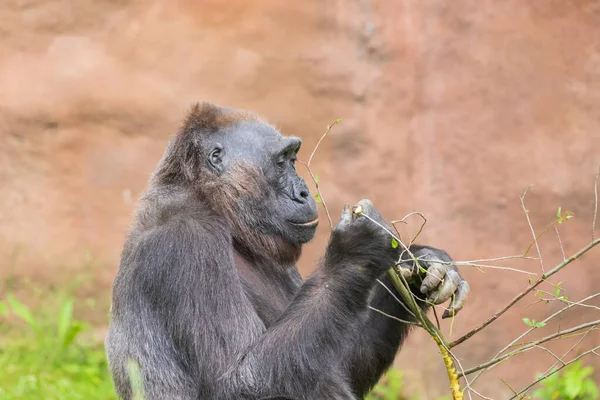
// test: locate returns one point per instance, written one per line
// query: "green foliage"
(389, 388)
(394, 243)
(532, 323)
(563, 217)
(135, 379)
(572, 384)
(45, 357)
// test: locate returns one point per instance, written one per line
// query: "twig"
(503, 258)
(562, 250)
(541, 378)
(470, 264)
(527, 332)
(397, 299)
(595, 203)
(529, 346)
(402, 287)
(403, 220)
(525, 292)
(337, 121)
(551, 369)
(314, 179)
(394, 318)
(535, 238)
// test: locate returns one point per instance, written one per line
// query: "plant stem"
(402, 287)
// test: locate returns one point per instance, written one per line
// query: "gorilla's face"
(258, 164)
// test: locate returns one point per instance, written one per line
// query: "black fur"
(208, 300)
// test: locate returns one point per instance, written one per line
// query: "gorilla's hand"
(440, 281)
(360, 239)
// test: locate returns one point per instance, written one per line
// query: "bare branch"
(531, 345)
(535, 238)
(314, 179)
(562, 250)
(337, 121)
(394, 318)
(541, 378)
(525, 292)
(595, 203)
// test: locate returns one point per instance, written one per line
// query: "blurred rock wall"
(448, 108)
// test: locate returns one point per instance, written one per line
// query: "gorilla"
(208, 301)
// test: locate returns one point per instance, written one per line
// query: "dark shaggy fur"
(209, 303)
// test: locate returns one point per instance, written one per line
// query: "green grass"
(45, 356)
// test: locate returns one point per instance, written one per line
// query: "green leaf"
(65, 319)
(3, 309)
(317, 178)
(337, 121)
(72, 333)
(591, 389)
(540, 324)
(318, 198)
(558, 213)
(557, 291)
(394, 243)
(22, 311)
(135, 379)
(528, 322)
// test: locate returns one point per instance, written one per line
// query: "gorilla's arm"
(181, 277)
(302, 355)
(380, 337)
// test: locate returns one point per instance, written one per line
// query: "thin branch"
(535, 238)
(549, 370)
(562, 250)
(403, 220)
(394, 318)
(547, 350)
(546, 320)
(337, 121)
(525, 292)
(529, 346)
(314, 179)
(527, 332)
(480, 266)
(571, 303)
(595, 203)
(541, 378)
(503, 258)
(397, 299)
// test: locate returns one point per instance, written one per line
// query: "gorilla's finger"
(447, 288)
(406, 272)
(346, 214)
(458, 302)
(346, 217)
(366, 204)
(433, 278)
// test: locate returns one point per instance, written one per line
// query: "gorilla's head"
(245, 170)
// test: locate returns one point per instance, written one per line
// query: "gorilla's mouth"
(309, 223)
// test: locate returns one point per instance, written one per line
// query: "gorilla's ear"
(215, 158)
